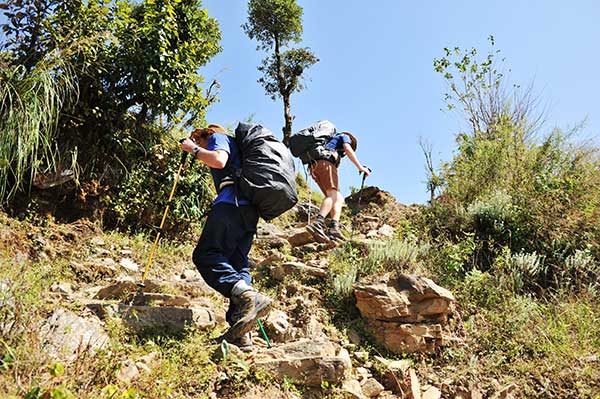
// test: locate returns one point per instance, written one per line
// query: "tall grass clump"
(395, 256)
(30, 105)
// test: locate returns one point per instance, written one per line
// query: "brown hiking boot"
(244, 342)
(252, 306)
(317, 229)
(336, 234)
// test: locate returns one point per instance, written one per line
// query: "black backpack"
(309, 144)
(267, 176)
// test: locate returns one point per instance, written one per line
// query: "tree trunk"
(287, 113)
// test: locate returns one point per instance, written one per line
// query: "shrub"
(515, 272)
(140, 202)
(581, 271)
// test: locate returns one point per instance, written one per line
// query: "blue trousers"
(221, 255)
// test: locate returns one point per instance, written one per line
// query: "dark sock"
(334, 224)
(320, 219)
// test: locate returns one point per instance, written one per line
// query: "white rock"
(386, 231)
(352, 389)
(431, 393)
(65, 334)
(130, 265)
(128, 372)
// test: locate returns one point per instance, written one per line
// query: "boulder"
(299, 237)
(303, 209)
(62, 288)
(170, 320)
(93, 270)
(307, 361)
(431, 392)
(128, 371)
(192, 289)
(277, 326)
(351, 389)
(66, 334)
(269, 235)
(408, 338)
(372, 388)
(407, 313)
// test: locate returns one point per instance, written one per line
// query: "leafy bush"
(510, 186)
(140, 202)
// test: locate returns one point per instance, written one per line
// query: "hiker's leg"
(338, 203)
(326, 206)
(325, 174)
(239, 257)
(217, 243)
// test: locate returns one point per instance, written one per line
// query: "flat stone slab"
(280, 271)
(309, 362)
(158, 299)
(142, 319)
(299, 237)
(66, 334)
(124, 289)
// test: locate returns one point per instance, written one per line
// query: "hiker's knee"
(332, 193)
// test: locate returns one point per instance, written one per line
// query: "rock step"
(308, 362)
(149, 319)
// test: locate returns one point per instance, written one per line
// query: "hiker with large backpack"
(238, 166)
(322, 148)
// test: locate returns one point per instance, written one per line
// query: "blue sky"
(376, 79)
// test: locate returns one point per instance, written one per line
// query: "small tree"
(274, 24)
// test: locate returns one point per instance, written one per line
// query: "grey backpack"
(309, 144)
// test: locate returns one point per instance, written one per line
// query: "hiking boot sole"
(247, 323)
(318, 235)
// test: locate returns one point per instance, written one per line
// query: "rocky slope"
(358, 346)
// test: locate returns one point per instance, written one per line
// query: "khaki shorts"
(325, 174)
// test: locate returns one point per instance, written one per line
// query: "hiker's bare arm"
(214, 159)
(352, 157)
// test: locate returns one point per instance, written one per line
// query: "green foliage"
(515, 272)
(131, 64)
(514, 191)
(274, 22)
(291, 64)
(141, 200)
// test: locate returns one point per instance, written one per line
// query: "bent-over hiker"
(325, 173)
(221, 255)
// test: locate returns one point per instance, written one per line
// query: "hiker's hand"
(188, 145)
(365, 170)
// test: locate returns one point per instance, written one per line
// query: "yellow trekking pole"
(162, 223)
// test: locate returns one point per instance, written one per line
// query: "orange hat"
(353, 141)
(216, 128)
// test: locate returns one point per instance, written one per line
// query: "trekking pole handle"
(185, 154)
(367, 168)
